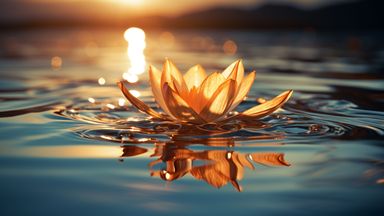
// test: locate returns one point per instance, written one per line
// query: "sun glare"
(131, 2)
(136, 45)
(134, 34)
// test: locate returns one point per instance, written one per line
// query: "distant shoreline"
(356, 16)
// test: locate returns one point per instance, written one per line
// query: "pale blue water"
(322, 154)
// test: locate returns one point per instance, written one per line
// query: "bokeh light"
(134, 35)
(121, 101)
(91, 100)
(135, 93)
(132, 78)
(167, 38)
(56, 62)
(230, 47)
(101, 81)
(110, 106)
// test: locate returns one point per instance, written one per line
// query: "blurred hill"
(363, 14)
(366, 14)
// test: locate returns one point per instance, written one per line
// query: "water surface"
(71, 145)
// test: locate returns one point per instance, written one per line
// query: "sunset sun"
(131, 2)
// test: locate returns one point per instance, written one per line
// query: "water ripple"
(320, 119)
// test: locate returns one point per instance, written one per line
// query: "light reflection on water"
(81, 142)
(135, 51)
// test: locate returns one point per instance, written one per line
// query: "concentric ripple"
(300, 120)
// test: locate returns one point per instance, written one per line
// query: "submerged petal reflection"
(217, 167)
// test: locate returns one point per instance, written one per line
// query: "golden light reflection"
(91, 100)
(110, 106)
(101, 81)
(215, 166)
(135, 93)
(261, 100)
(136, 46)
(78, 151)
(131, 78)
(121, 101)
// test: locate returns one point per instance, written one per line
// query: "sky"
(36, 9)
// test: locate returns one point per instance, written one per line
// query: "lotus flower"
(198, 99)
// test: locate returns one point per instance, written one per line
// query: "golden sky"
(140, 7)
(169, 7)
(14, 9)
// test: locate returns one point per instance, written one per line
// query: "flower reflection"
(136, 45)
(217, 167)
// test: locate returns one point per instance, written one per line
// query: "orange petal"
(236, 185)
(267, 107)
(269, 159)
(193, 93)
(174, 78)
(206, 90)
(178, 107)
(193, 97)
(244, 162)
(210, 84)
(240, 168)
(234, 71)
(138, 103)
(219, 102)
(195, 76)
(155, 78)
(209, 174)
(243, 90)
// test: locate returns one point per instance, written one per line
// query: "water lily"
(198, 98)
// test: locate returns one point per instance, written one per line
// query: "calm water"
(69, 147)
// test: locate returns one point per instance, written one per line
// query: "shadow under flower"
(217, 167)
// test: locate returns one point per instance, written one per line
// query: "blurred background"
(213, 14)
(70, 143)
